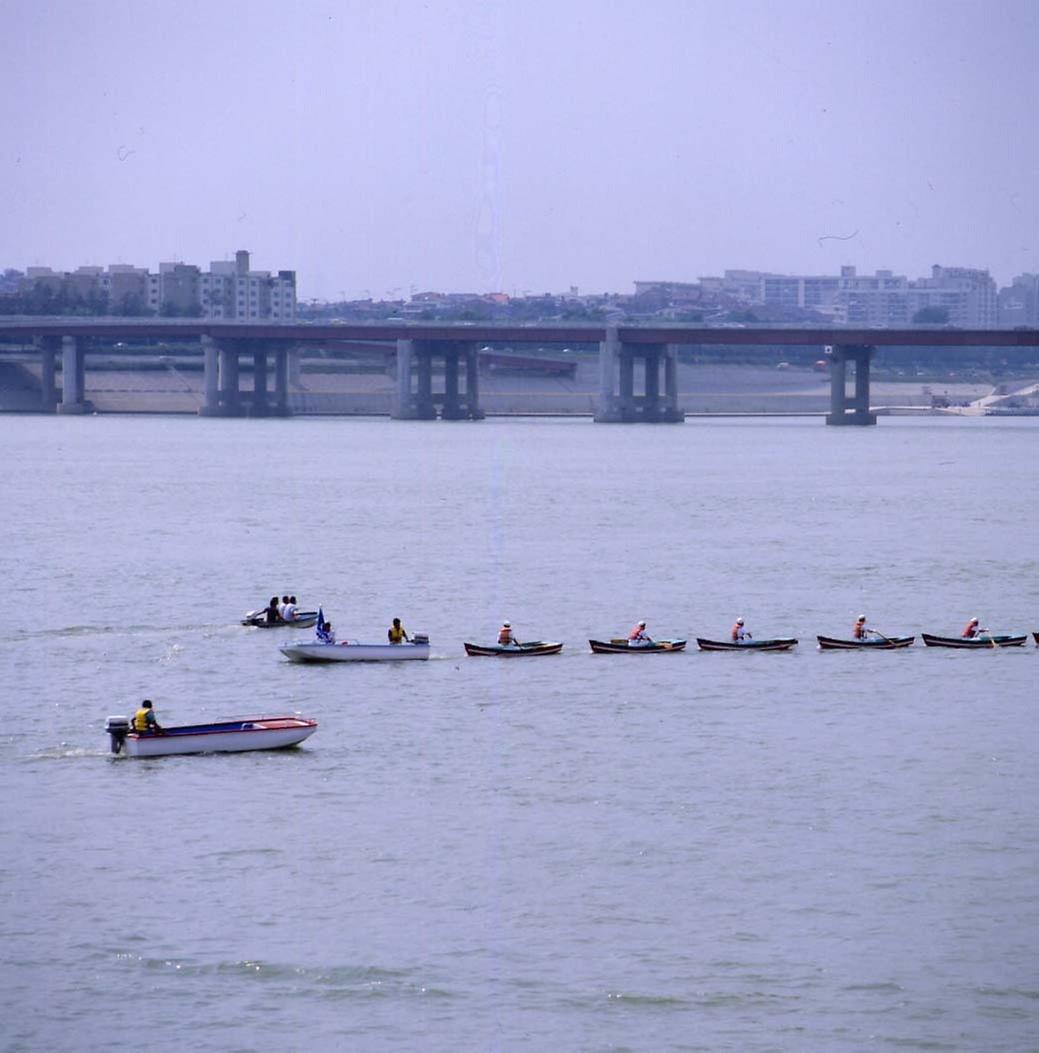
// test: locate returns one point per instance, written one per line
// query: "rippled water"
(805, 851)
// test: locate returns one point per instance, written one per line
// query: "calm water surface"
(678, 852)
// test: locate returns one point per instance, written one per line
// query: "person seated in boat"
(638, 636)
(859, 631)
(144, 721)
(272, 614)
(739, 634)
(397, 633)
(281, 607)
(506, 637)
(971, 631)
(288, 612)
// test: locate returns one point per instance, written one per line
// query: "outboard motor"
(420, 638)
(118, 728)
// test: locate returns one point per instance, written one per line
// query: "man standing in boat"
(144, 721)
(638, 636)
(397, 633)
(739, 634)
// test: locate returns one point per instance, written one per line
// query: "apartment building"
(229, 289)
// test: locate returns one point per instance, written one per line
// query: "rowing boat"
(357, 652)
(227, 736)
(535, 647)
(782, 643)
(303, 620)
(874, 643)
(978, 643)
(624, 647)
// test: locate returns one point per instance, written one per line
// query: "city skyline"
(409, 148)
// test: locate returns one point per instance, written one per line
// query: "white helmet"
(506, 625)
(643, 624)
(861, 618)
(974, 621)
(739, 621)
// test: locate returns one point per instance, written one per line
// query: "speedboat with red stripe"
(226, 736)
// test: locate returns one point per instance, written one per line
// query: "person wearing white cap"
(859, 631)
(739, 634)
(505, 637)
(638, 637)
(971, 630)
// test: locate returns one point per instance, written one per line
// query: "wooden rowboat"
(1036, 635)
(522, 650)
(876, 643)
(783, 643)
(227, 736)
(623, 647)
(303, 620)
(978, 643)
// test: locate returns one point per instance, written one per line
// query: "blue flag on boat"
(322, 632)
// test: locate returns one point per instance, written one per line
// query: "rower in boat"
(971, 631)
(145, 721)
(638, 637)
(739, 634)
(860, 632)
(272, 614)
(506, 638)
(397, 633)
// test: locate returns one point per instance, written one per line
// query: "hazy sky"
(382, 147)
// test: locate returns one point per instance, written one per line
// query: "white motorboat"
(227, 736)
(319, 651)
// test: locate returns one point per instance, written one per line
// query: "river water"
(804, 851)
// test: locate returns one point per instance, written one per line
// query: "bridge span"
(637, 364)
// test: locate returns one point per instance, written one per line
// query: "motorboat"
(519, 650)
(350, 651)
(226, 736)
(618, 646)
(302, 620)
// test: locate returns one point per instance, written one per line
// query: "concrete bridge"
(637, 363)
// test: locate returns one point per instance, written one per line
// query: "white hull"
(351, 652)
(258, 737)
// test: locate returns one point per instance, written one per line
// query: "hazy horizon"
(469, 147)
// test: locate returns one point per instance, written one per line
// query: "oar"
(884, 638)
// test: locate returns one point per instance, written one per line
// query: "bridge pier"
(259, 407)
(854, 409)
(618, 401)
(73, 376)
(282, 362)
(419, 401)
(49, 346)
(222, 382)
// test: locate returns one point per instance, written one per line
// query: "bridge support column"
(260, 406)
(451, 409)
(211, 378)
(404, 399)
(72, 376)
(425, 408)
(230, 402)
(671, 410)
(282, 356)
(853, 410)
(472, 383)
(49, 346)
(617, 366)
